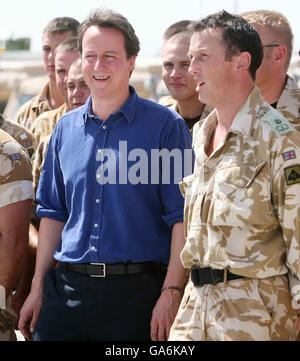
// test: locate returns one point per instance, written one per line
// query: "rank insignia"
(289, 155)
(15, 156)
(292, 174)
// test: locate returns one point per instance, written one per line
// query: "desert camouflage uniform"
(39, 160)
(289, 103)
(169, 102)
(20, 134)
(15, 186)
(242, 213)
(29, 111)
(45, 123)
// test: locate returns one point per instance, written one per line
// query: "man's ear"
(280, 54)
(243, 61)
(132, 63)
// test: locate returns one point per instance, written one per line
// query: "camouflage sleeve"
(286, 197)
(15, 172)
(39, 160)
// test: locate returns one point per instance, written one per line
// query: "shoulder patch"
(292, 174)
(15, 156)
(289, 155)
(278, 123)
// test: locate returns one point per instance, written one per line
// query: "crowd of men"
(95, 244)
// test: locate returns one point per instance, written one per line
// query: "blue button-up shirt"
(100, 180)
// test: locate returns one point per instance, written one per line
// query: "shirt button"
(99, 150)
(206, 169)
(93, 248)
(96, 225)
(97, 201)
(104, 127)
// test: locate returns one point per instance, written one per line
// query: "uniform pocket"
(241, 196)
(193, 193)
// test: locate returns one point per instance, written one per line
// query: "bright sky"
(149, 18)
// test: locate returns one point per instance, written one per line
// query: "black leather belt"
(105, 269)
(204, 276)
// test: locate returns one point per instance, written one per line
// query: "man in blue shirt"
(110, 205)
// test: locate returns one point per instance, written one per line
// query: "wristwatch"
(2, 298)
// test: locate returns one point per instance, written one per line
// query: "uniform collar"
(244, 120)
(289, 99)
(42, 97)
(127, 110)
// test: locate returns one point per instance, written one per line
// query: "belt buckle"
(103, 275)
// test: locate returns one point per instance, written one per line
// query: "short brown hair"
(105, 18)
(62, 25)
(178, 27)
(70, 44)
(277, 23)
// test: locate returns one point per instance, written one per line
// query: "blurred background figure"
(277, 87)
(64, 55)
(180, 83)
(56, 31)
(77, 94)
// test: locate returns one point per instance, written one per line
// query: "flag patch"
(27, 144)
(15, 156)
(289, 155)
(292, 174)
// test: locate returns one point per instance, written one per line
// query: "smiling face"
(178, 80)
(49, 42)
(78, 91)
(211, 71)
(105, 67)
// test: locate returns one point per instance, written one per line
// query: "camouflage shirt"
(29, 111)
(15, 172)
(45, 123)
(20, 134)
(242, 203)
(289, 102)
(39, 160)
(170, 102)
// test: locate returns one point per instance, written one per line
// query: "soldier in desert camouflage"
(242, 203)
(20, 134)
(64, 55)
(77, 94)
(277, 87)
(180, 83)
(16, 195)
(55, 32)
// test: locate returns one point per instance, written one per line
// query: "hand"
(163, 314)
(29, 314)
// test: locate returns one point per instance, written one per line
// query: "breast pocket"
(241, 196)
(193, 193)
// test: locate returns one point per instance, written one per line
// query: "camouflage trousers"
(8, 320)
(241, 310)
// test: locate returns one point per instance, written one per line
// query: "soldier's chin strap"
(2, 298)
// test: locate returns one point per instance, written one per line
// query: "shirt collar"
(127, 110)
(288, 100)
(244, 120)
(42, 97)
